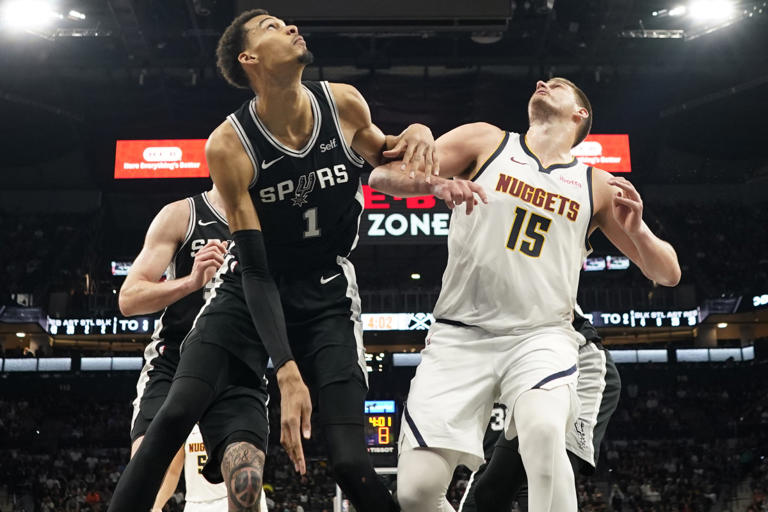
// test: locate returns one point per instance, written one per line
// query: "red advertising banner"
(182, 158)
(608, 152)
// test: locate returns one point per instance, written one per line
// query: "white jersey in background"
(203, 496)
(514, 263)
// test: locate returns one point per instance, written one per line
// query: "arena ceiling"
(145, 68)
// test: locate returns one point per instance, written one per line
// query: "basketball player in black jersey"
(188, 239)
(287, 164)
(500, 481)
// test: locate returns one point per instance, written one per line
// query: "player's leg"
(331, 357)
(235, 429)
(161, 361)
(242, 467)
(340, 409)
(599, 387)
(497, 488)
(450, 399)
(170, 480)
(423, 477)
(192, 391)
(541, 418)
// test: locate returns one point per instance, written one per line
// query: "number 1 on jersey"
(311, 218)
(533, 246)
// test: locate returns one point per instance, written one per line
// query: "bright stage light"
(28, 14)
(679, 10)
(76, 15)
(711, 10)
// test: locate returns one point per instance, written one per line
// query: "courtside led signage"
(177, 158)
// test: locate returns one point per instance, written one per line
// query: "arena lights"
(711, 10)
(28, 14)
(415, 276)
(20, 334)
(701, 11)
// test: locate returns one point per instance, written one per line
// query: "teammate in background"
(503, 318)
(186, 238)
(499, 482)
(201, 495)
(287, 163)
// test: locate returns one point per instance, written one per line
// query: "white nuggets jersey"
(514, 264)
(199, 490)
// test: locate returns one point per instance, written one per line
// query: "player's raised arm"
(142, 292)
(461, 152)
(415, 146)
(619, 214)
(232, 171)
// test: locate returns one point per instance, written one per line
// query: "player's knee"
(417, 493)
(242, 467)
(172, 414)
(348, 466)
(244, 488)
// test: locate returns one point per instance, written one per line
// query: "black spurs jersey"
(205, 224)
(309, 200)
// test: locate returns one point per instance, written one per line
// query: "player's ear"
(247, 58)
(582, 113)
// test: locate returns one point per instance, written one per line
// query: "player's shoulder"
(171, 222)
(478, 131)
(477, 138)
(348, 99)
(222, 140)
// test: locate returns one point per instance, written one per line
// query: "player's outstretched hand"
(295, 412)
(627, 206)
(207, 262)
(457, 191)
(416, 147)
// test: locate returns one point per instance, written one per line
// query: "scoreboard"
(381, 432)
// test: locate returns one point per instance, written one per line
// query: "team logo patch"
(306, 185)
(581, 434)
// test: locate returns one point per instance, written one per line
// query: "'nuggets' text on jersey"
(514, 264)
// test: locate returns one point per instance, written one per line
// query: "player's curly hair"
(231, 43)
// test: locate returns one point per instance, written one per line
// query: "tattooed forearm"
(242, 467)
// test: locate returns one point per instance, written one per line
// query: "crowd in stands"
(43, 254)
(684, 439)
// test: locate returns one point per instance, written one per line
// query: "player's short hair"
(231, 44)
(582, 101)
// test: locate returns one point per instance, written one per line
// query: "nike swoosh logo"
(516, 161)
(267, 165)
(206, 223)
(323, 280)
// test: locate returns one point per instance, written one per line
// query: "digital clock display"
(378, 430)
(380, 426)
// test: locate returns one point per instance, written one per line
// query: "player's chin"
(306, 57)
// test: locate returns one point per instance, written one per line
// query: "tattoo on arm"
(243, 467)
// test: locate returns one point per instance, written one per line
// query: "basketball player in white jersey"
(186, 239)
(503, 318)
(201, 495)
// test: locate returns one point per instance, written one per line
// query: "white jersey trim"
(351, 155)
(150, 353)
(301, 153)
(353, 294)
(240, 131)
(213, 209)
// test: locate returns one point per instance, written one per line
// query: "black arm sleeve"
(261, 295)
